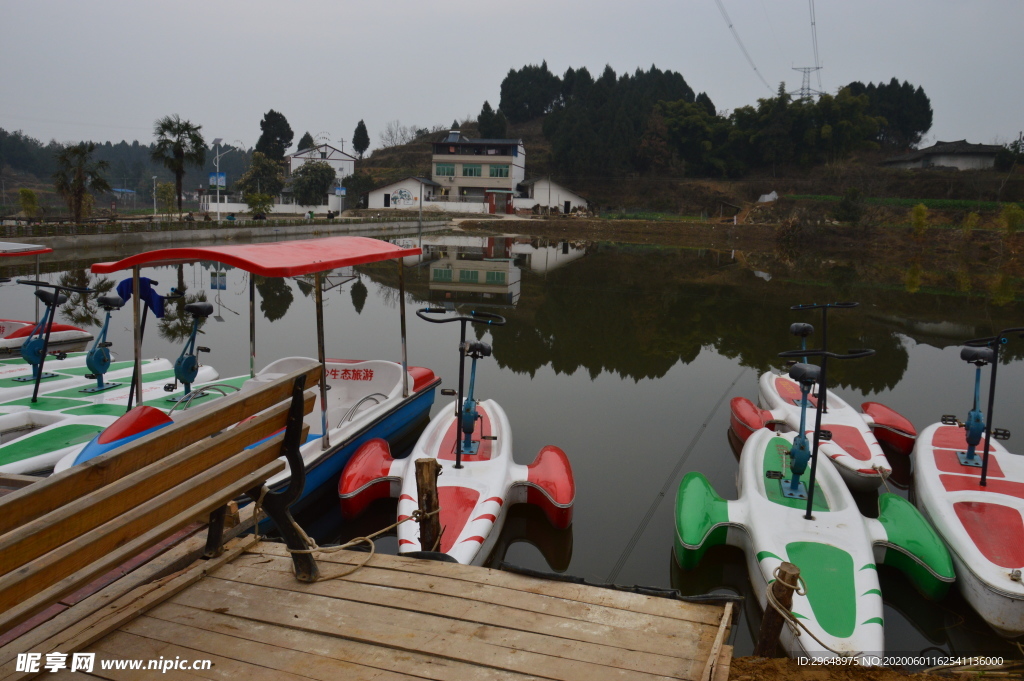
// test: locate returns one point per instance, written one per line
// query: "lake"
(625, 357)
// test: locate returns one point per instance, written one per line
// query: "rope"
(884, 473)
(794, 624)
(314, 548)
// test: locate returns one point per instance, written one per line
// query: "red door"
(490, 203)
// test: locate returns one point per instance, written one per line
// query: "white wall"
(404, 194)
(334, 203)
(558, 196)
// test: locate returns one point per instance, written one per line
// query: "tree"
(491, 123)
(395, 134)
(276, 136)
(178, 143)
(264, 176)
(529, 93)
(165, 196)
(258, 203)
(77, 175)
(28, 202)
(306, 142)
(357, 184)
(275, 297)
(358, 293)
(360, 139)
(455, 125)
(919, 220)
(311, 181)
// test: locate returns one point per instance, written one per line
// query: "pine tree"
(360, 139)
(306, 142)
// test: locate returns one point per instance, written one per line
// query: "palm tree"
(77, 175)
(178, 143)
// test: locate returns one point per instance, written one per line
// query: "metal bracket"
(800, 493)
(100, 388)
(974, 461)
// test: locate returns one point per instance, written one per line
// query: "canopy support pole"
(137, 323)
(37, 288)
(252, 325)
(325, 441)
(401, 312)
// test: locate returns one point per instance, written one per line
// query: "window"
(445, 169)
(469, 276)
(441, 274)
(323, 154)
(471, 170)
(495, 277)
(499, 170)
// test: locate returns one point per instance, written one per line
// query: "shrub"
(259, 203)
(969, 224)
(919, 220)
(29, 203)
(851, 208)
(1012, 218)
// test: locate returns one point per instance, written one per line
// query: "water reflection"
(81, 309)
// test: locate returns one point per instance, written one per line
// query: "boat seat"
(110, 302)
(978, 356)
(801, 329)
(199, 309)
(805, 373)
(48, 296)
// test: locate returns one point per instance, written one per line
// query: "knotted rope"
(800, 589)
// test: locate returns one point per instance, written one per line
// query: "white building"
(343, 164)
(402, 194)
(961, 155)
(548, 194)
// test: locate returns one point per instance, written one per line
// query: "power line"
(728, 21)
(814, 40)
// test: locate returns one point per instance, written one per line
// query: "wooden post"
(427, 470)
(772, 622)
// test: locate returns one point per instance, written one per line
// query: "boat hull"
(983, 526)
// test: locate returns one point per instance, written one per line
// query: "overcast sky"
(106, 70)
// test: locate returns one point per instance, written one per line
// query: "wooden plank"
(20, 608)
(724, 664)
(222, 669)
(685, 645)
(69, 622)
(510, 649)
(74, 519)
(123, 648)
(15, 481)
(34, 501)
(339, 649)
(115, 613)
(716, 648)
(652, 605)
(288, 661)
(497, 595)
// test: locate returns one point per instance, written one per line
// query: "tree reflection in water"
(275, 297)
(81, 309)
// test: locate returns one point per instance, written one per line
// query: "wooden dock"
(394, 618)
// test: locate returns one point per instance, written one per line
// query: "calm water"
(625, 357)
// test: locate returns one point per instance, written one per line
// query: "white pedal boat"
(474, 500)
(983, 526)
(837, 551)
(472, 441)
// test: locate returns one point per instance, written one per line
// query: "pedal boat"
(837, 548)
(977, 506)
(479, 479)
(13, 333)
(358, 401)
(854, 447)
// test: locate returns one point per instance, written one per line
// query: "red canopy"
(9, 249)
(275, 259)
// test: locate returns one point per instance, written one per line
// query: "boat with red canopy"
(14, 332)
(358, 400)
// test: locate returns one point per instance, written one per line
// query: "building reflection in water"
(486, 271)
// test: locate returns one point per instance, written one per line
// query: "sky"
(107, 69)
